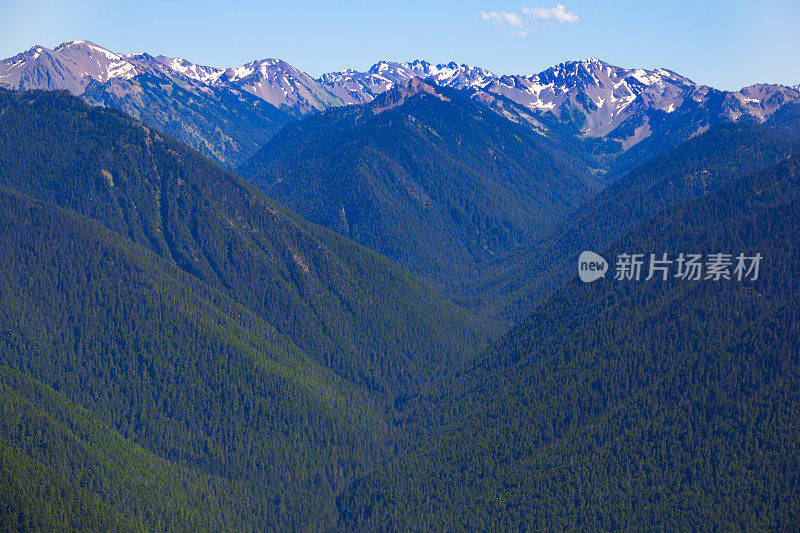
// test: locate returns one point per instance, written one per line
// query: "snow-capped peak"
(87, 47)
(605, 94)
(401, 92)
(268, 68)
(71, 65)
(280, 84)
(451, 74)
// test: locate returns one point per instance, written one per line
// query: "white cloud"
(558, 14)
(502, 17)
(530, 19)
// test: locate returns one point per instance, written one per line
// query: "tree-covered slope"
(178, 369)
(349, 308)
(425, 175)
(226, 126)
(629, 405)
(61, 468)
(786, 119)
(511, 286)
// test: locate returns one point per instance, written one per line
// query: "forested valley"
(178, 351)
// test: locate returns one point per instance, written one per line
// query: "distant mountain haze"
(426, 175)
(246, 299)
(212, 108)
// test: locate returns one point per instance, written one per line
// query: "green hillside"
(351, 309)
(180, 353)
(63, 469)
(225, 126)
(239, 365)
(175, 367)
(511, 286)
(628, 405)
(425, 175)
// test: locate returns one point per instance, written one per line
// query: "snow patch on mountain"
(591, 96)
(203, 74)
(401, 92)
(280, 84)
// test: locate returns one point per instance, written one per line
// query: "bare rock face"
(226, 112)
(280, 84)
(594, 97)
(71, 66)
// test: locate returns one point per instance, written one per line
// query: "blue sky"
(727, 44)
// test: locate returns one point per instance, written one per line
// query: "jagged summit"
(71, 66)
(402, 92)
(591, 96)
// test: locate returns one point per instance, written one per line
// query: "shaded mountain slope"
(425, 175)
(79, 474)
(628, 405)
(351, 309)
(787, 120)
(224, 125)
(177, 368)
(512, 286)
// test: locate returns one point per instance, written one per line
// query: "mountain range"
(179, 350)
(426, 175)
(510, 286)
(615, 107)
(624, 405)
(221, 297)
(452, 171)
